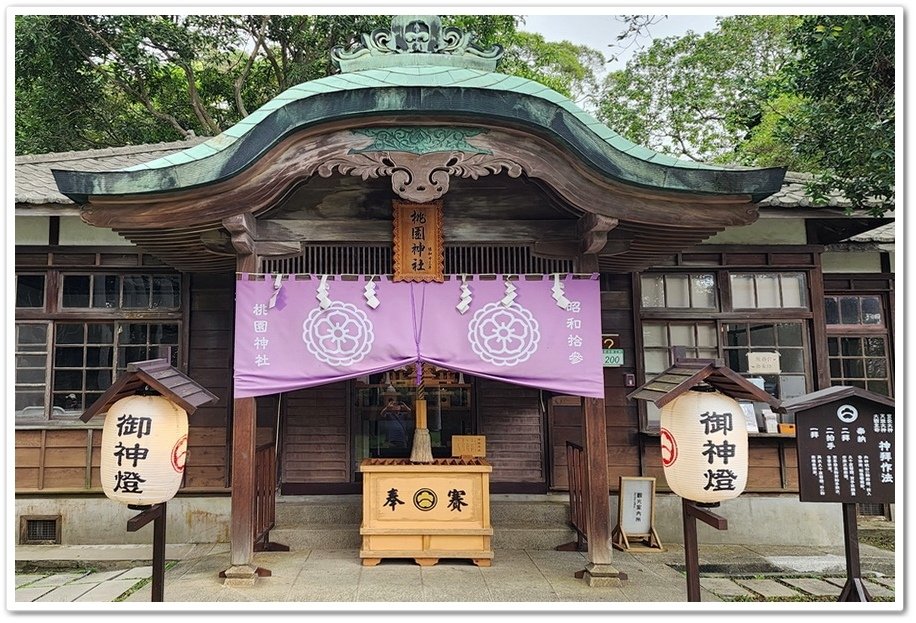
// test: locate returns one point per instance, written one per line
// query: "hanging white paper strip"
(278, 283)
(465, 303)
(323, 301)
(369, 292)
(558, 294)
(510, 293)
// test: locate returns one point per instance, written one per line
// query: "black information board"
(846, 452)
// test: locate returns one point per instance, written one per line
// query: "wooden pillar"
(244, 432)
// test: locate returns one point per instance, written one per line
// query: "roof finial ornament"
(416, 40)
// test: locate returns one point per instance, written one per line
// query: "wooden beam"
(592, 230)
(243, 229)
(455, 230)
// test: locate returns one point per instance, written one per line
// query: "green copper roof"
(427, 91)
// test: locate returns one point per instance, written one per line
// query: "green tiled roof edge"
(586, 129)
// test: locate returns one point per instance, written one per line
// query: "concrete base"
(96, 520)
(772, 519)
(603, 575)
(241, 575)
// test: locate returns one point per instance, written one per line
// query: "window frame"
(54, 314)
(726, 314)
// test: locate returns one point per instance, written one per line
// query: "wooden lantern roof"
(688, 373)
(424, 121)
(832, 394)
(158, 375)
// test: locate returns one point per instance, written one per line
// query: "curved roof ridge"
(417, 90)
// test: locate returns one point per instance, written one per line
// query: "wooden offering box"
(426, 511)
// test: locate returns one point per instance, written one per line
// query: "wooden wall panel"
(210, 344)
(315, 436)
(510, 417)
(206, 463)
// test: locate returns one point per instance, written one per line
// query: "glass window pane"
(105, 291)
(852, 346)
(654, 335)
(167, 291)
(854, 383)
(736, 359)
(879, 387)
(677, 289)
(656, 362)
(704, 291)
(794, 292)
(874, 346)
(97, 357)
(768, 290)
(76, 291)
(836, 369)
(30, 403)
(31, 336)
(98, 380)
(833, 346)
(735, 335)
(853, 369)
(30, 375)
(707, 353)
(789, 334)
(706, 335)
(849, 310)
(72, 401)
(875, 368)
(100, 333)
(69, 333)
(871, 310)
(131, 354)
(682, 335)
(762, 335)
(136, 291)
(742, 291)
(30, 361)
(68, 357)
(133, 334)
(30, 290)
(832, 310)
(68, 379)
(791, 360)
(653, 293)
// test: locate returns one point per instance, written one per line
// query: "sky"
(599, 31)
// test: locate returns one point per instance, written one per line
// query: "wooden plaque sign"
(418, 248)
(469, 445)
(846, 452)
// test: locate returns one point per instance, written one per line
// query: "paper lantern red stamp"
(180, 454)
(669, 448)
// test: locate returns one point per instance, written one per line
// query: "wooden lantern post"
(154, 377)
(673, 384)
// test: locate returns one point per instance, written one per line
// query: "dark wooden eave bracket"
(158, 375)
(688, 373)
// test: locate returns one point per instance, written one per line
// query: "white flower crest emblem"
(340, 335)
(503, 336)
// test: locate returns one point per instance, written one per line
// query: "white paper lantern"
(144, 447)
(704, 446)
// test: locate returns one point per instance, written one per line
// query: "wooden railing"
(265, 496)
(578, 496)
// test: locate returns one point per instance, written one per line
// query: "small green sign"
(613, 357)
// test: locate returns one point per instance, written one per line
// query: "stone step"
(347, 537)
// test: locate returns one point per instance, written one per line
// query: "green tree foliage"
(696, 96)
(846, 126)
(814, 94)
(85, 81)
